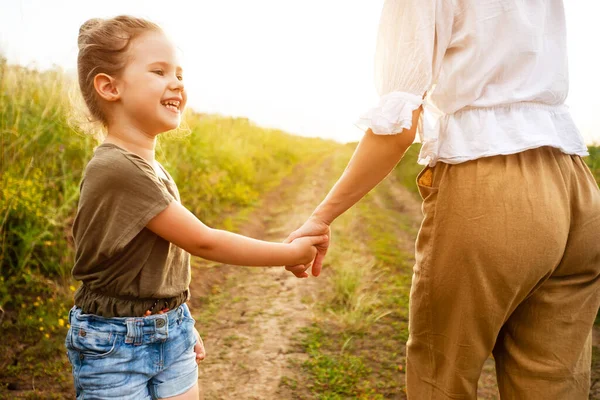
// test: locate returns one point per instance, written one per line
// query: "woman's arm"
(372, 161)
(180, 227)
(412, 39)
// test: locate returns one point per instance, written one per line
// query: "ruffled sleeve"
(413, 37)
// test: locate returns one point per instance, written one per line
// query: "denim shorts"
(132, 358)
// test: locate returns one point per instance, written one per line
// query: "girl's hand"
(199, 347)
(305, 247)
(312, 226)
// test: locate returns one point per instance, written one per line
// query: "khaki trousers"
(507, 262)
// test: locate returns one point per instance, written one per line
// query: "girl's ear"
(106, 88)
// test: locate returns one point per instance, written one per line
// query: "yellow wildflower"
(41, 328)
(72, 288)
(61, 322)
(47, 336)
(37, 304)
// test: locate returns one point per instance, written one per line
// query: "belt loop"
(135, 331)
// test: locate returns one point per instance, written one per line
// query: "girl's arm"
(180, 227)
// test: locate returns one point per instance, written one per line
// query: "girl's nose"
(177, 85)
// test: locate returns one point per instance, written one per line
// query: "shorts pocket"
(91, 343)
(188, 331)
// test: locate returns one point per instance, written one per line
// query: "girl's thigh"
(192, 394)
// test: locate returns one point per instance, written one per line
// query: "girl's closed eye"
(162, 73)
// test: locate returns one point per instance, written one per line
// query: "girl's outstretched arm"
(180, 227)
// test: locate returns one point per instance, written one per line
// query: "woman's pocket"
(425, 182)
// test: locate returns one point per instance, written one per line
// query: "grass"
(407, 170)
(593, 161)
(335, 375)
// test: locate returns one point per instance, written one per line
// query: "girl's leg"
(192, 394)
(493, 230)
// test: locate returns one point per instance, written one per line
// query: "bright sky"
(303, 66)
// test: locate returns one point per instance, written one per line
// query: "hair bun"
(86, 28)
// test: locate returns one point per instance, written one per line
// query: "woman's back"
(504, 52)
(496, 72)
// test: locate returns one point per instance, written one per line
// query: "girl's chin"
(170, 125)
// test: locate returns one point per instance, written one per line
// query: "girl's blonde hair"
(103, 45)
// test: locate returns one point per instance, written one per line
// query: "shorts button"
(82, 333)
(80, 356)
(160, 323)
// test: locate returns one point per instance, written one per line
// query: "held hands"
(306, 247)
(312, 228)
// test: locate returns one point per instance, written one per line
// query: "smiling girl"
(132, 335)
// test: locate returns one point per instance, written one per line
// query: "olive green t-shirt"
(124, 266)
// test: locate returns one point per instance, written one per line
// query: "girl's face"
(151, 84)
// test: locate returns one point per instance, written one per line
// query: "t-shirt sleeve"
(126, 191)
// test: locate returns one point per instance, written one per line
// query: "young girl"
(131, 334)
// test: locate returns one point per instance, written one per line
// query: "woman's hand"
(199, 347)
(312, 227)
(372, 161)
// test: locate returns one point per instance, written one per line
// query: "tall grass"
(593, 161)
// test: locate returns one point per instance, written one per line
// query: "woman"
(508, 256)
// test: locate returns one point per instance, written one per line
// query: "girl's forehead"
(153, 47)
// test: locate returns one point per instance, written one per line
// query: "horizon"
(310, 81)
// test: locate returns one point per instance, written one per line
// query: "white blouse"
(494, 73)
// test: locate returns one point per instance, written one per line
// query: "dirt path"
(259, 311)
